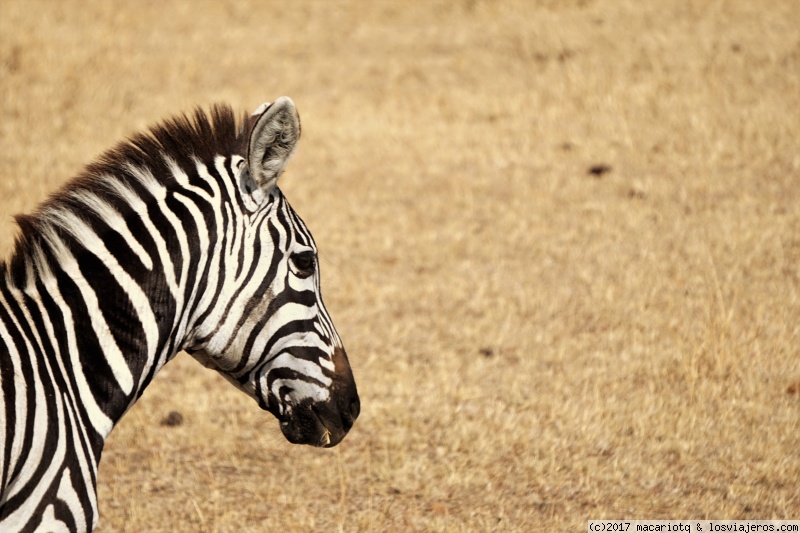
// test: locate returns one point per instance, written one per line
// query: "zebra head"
(268, 331)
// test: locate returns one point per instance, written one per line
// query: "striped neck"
(98, 317)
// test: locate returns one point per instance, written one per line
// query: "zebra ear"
(272, 140)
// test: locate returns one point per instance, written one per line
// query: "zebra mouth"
(313, 425)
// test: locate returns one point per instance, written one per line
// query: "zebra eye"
(304, 262)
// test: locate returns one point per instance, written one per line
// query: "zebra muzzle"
(322, 424)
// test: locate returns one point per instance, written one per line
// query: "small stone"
(599, 169)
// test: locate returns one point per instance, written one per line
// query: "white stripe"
(75, 505)
(40, 415)
(66, 493)
(159, 194)
(230, 187)
(3, 421)
(21, 514)
(207, 298)
(99, 420)
(20, 389)
(202, 235)
(140, 208)
(111, 352)
(301, 366)
(94, 244)
(302, 284)
(228, 324)
(49, 522)
(301, 390)
(113, 218)
(87, 467)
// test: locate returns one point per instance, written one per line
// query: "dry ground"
(536, 344)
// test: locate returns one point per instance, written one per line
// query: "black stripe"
(9, 390)
(260, 291)
(289, 374)
(26, 369)
(56, 320)
(99, 376)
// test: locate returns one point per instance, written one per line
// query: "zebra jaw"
(307, 414)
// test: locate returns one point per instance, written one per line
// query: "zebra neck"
(111, 275)
(91, 329)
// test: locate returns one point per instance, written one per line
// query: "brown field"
(561, 241)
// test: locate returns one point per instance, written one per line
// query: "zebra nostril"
(355, 408)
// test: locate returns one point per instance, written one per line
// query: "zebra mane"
(183, 139)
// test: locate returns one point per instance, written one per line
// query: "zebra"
(178, 239)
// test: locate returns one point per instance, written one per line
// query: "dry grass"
(535, 345)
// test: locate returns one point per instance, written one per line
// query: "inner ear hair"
(272, 141)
